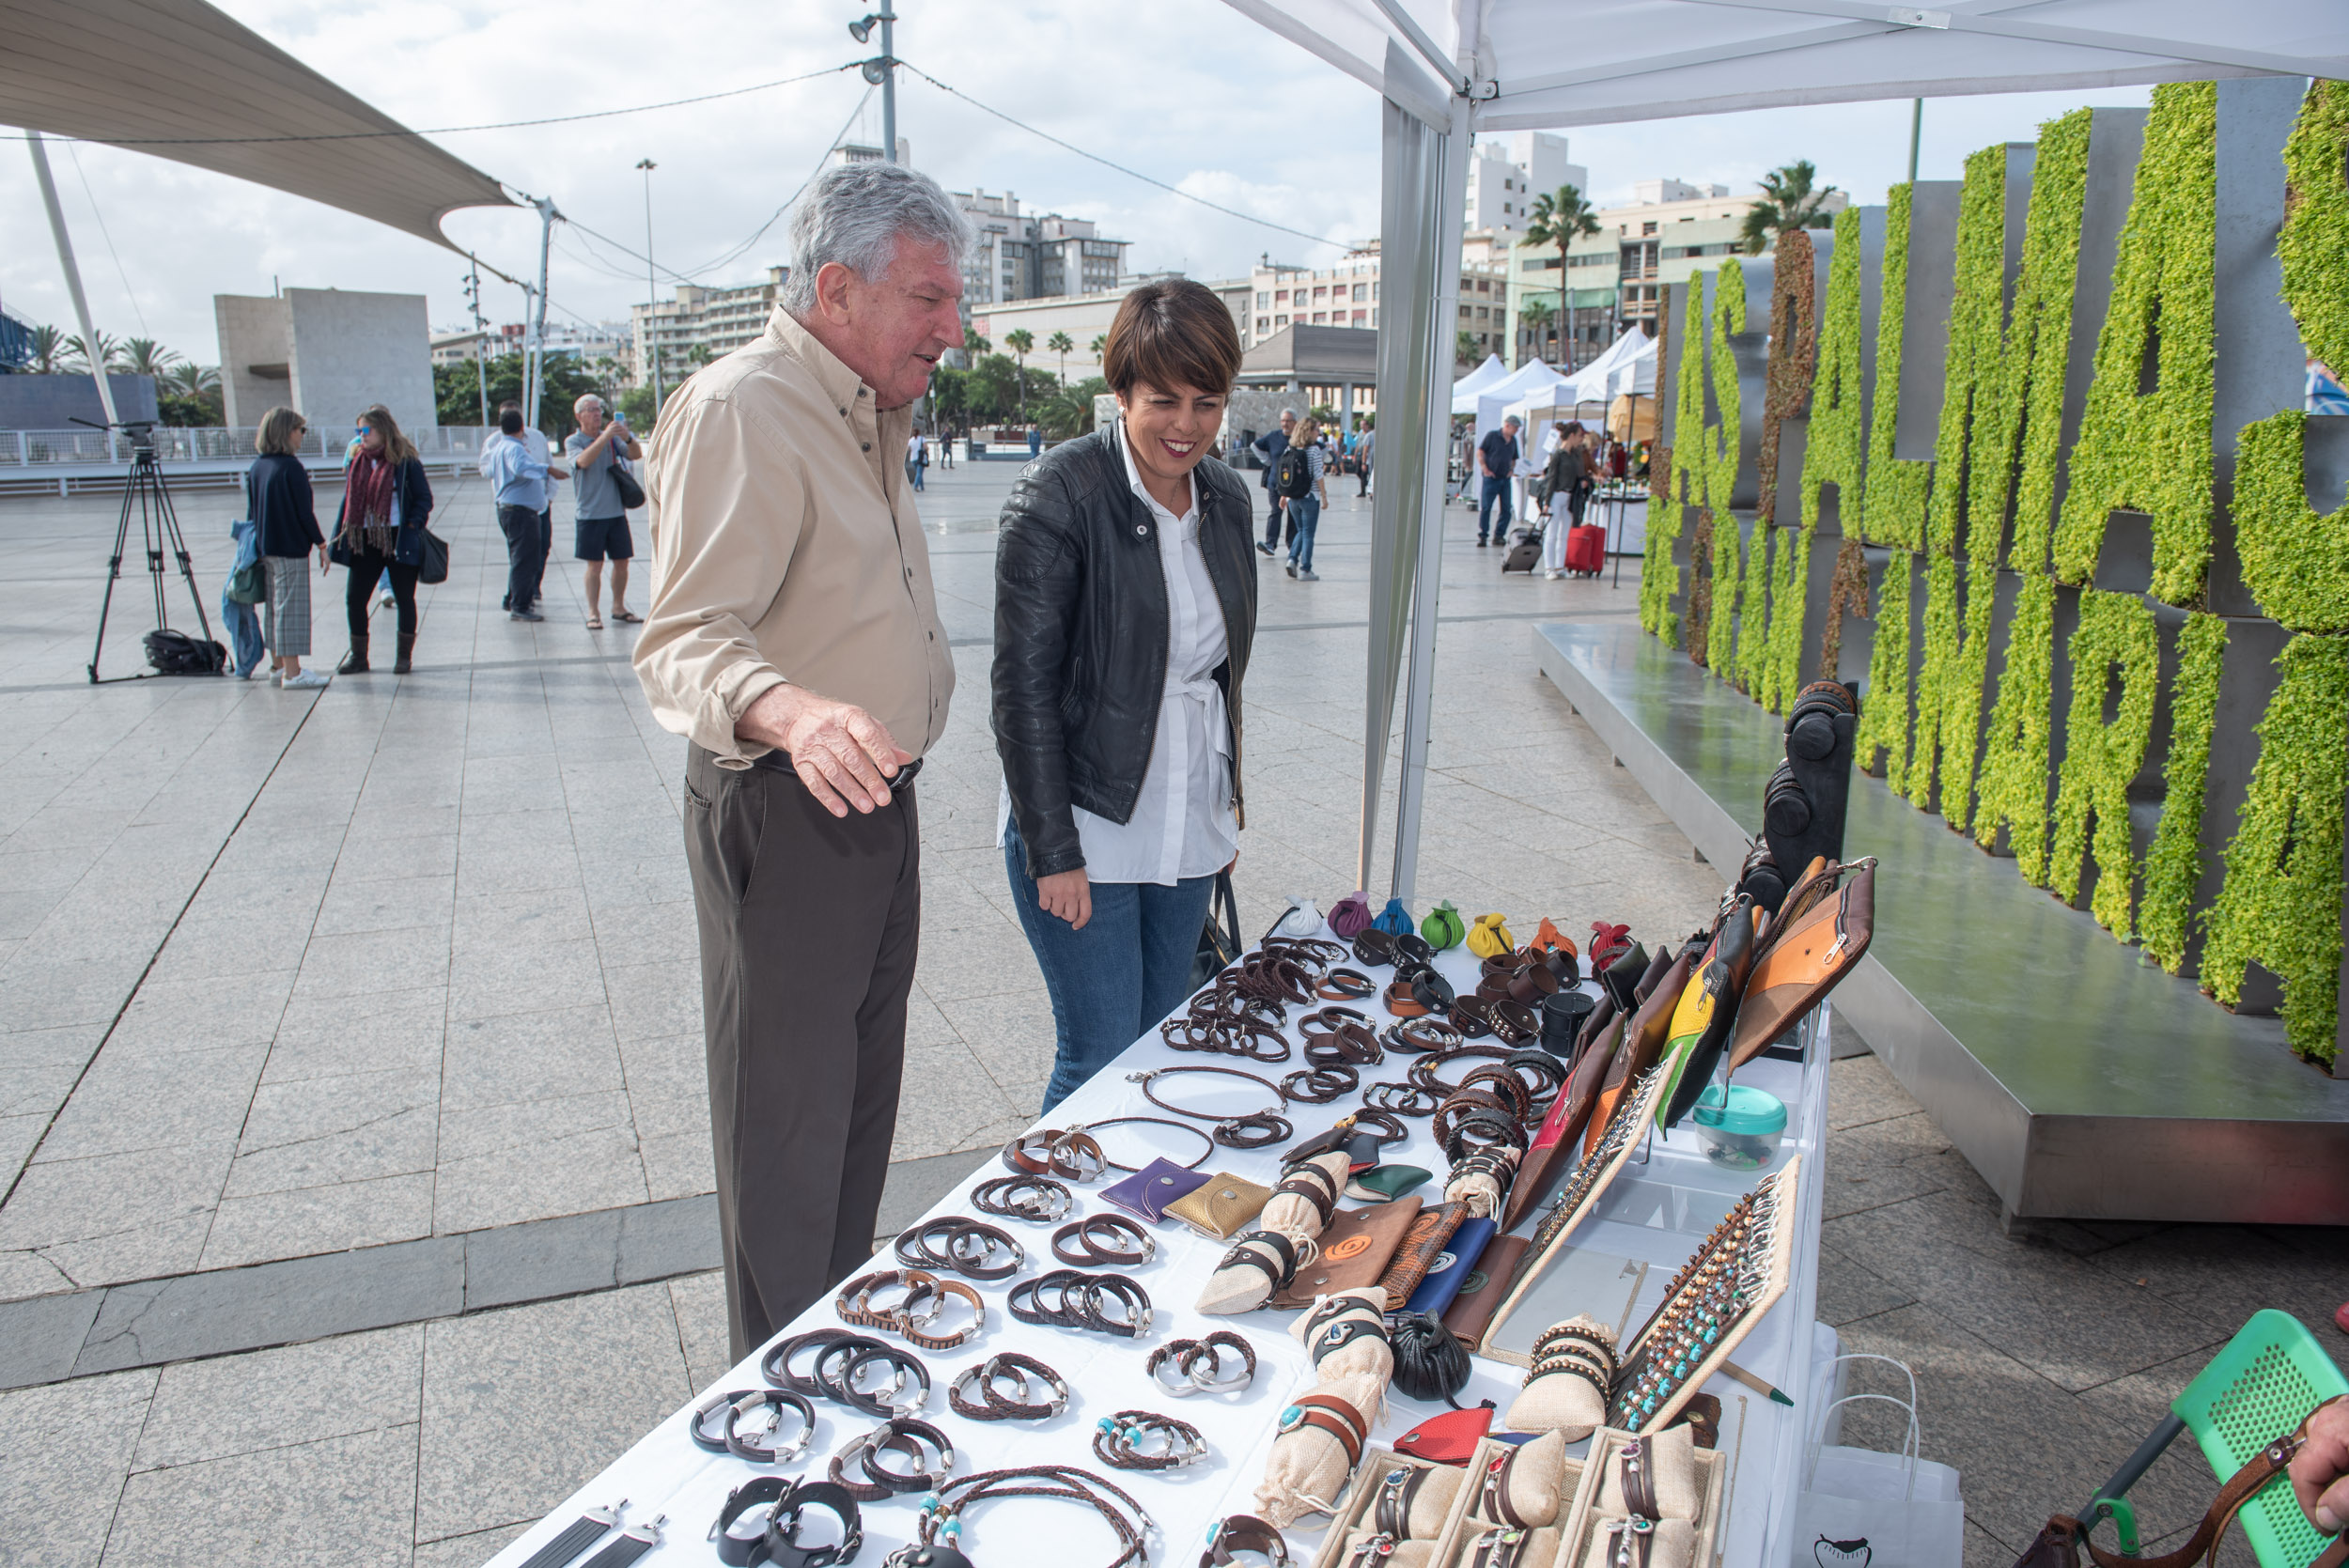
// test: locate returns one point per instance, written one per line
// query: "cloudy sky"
(1186, 91)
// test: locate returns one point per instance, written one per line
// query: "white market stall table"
(1655, 1215)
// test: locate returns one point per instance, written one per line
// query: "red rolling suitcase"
(1586, 550)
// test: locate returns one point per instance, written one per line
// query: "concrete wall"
(54, 402)
(256, 355)
(350, 350)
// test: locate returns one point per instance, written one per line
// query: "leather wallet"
(1451, 1268)
(1355, 1248)
(1646, 1034)
(1421, 1246)
(1381, 1182)
(1221, 1207)
(1485, 1289)
(1147, 1191)
(1806, 956)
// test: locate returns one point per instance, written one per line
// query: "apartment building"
(698, 324)
(1030, 256)
(1507, 173)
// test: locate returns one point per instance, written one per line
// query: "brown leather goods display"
(1223, 1208)
(1646, 1034)
(1355, 1248)
(1806, 957)
(2059, 1546)
(1422, 1245)
(1487, 1286)
(1706, 1012)
(1551, 1155)
(1815, 879)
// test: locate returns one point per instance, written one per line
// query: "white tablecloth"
(1661, 1207)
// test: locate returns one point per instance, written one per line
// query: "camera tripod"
(144, 488)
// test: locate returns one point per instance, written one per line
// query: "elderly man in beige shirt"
(793, 640)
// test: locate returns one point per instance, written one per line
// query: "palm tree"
(80, 358)
(1464, 348)
(1101, 347)
(144, 356)
(1559, 218)
(1788, 202)
(973, 345)
(1019, 340)
(1536, 317)
(49, 350)
(1060, 343)
(190, 380)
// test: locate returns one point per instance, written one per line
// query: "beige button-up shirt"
(785, 548)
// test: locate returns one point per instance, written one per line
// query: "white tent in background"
(1448, 68)
(1476, 381)
(1533, 383)
(1628, 366)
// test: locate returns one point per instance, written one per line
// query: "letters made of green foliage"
(1660, 574)
(2295, 560)
(2100, 759)
(2314, 245)
(1715, 452)
(2174, 865)
(2280, 902)
(2018, 400)
(1834, 450)
(1893, 513)
(2152, 453)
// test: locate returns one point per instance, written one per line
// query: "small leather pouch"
(1147, 1191)
(1384, 1183)
(1394, 919)
(1804, 959)
(1447, 1438)
(1621, 977)
(1221, 1207)
(1452, 1267)
(1422, 1245)
(1356, 1247)
(1484, 1290)
(1443, 927)
(1489, 939)
(1350, 917)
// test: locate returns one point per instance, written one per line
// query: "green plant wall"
(2314, 245)
(2280, 902)
(2296, 561)
(1716, 453)
(2116, 638)
(1884, 707)
(2012, 790)
(1898, 487)
(2173, 864)
(1834, 448)
(1660, 574)
(2151, 453)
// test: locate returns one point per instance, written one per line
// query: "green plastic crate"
(2271, 1375)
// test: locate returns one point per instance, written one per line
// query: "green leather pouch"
(1384, 1182)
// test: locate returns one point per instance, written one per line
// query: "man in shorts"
(599, 518)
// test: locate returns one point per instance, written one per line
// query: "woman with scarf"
(387, 500)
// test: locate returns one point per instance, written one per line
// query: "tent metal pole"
(1418, 689)
(1916, 134)
(72, 278)
(535, 362)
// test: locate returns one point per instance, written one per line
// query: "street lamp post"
(882, 72)
(652, 290)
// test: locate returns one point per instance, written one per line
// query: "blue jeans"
(244, 633)
(1494, 488)
(1306, 511)
(1128, 968)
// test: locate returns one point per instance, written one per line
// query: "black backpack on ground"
(176, 653)
(1292, 475)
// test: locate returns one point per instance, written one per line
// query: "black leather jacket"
(1080, 636)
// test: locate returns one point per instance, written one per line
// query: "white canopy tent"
(1488, 374)
(1448, 68)
(1535, 384)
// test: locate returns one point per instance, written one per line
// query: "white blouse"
(1183, 825)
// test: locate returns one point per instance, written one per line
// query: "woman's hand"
(2320, 1471)
(1067, 894)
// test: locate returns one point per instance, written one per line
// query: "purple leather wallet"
(1148, 1191)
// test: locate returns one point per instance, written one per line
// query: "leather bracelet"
(1075, 1301)
(945, 1244)
(1493, 1489)
(1515, 1023)
(854, 1302)
(710, 1439)
(1245, 1533)
(1161, 1121)
(1320, 1085)
(739, 1552)
(1071, 1156)
(993, 1406)
(1308, 950)
(1118, 1441)
(895, 1434)
(1311, 1182)
(1480, 1128)
(1502, 1083)
(781, 1539)
(922, 1334)
(1375, 947)
(1464, 1103)
(1401, 1099)
(1473, 1016)
(1424, 1071)
(1243, 1254)
(850, 1356)
(1499, 1549)
(1037, 1199)
(1404, 1003)
(1391, 1513)
(746, 1444)
(1428, 1033)
(1211, 1351)
(1542, 1073)
(1332, 1415)
(1076, 1244)
(1346, 985)
(1410, 947)
(775, 1366)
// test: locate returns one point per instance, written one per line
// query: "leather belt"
(780, 762)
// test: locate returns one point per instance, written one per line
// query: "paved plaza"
(353, 1131)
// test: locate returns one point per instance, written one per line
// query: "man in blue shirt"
(1271, 445)
(1497, 461)
(518, 477)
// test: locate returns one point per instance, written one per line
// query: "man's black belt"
(780, 762)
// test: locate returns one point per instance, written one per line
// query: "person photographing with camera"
(600, 501)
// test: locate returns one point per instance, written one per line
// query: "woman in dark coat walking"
(278, 498)
(387, 500)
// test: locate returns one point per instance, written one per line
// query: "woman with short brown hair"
(278, 498)
(386, 499)
(1125, 604)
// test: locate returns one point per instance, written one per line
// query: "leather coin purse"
(1221, 1207)
(1443, 927)
(1147, 1191)
(1381, 1182)
(1449, 1437)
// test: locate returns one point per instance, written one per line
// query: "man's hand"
(841, 753)
(1067, 894)
(2320, 1471)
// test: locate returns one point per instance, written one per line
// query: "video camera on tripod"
(171, 652)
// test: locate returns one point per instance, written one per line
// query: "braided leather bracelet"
(1118, 1441)
(1078, 1244)
(1320, 1085)
(1025, 1371)
(1039, 1199)
(946, 1242)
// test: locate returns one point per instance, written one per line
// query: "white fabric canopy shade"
(1626, 366)
(1488, 374)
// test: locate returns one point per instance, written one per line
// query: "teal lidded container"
(1740, 1127)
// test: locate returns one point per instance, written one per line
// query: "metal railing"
(27, 449)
